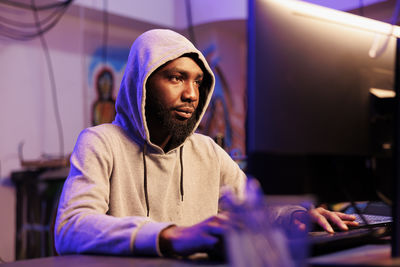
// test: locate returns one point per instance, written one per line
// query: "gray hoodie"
(122, 189)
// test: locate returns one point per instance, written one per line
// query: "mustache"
(185, 106)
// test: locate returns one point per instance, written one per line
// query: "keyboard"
(373, 219)
(322, 242)
(379, 225)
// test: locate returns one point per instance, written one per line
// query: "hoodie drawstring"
(181, 161)
(146, 194)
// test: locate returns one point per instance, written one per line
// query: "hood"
(151, 50)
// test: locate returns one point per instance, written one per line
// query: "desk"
(368, 255)
(103, 261)
(37, 199)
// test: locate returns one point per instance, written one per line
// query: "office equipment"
(320, 110)
(374, 227)
(373, 213)
(322, 242)
(373, 219)
(323, 109)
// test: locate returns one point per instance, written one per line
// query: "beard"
(178, 129)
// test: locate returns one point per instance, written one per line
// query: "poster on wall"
(103, 81)
(221, 121)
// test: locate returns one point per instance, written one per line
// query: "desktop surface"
(367, 255)
(102, 261)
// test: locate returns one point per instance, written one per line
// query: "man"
(147, 184)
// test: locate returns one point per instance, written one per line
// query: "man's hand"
(205, 236)
(324, 218)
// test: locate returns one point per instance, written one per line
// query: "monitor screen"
(320, 101)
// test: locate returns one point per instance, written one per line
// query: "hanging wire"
(23, 31)
(396, 12)
(18, 23)
(38, 8)
(52, 79)
(26, 36)
(105, 31)
(361, 7)
(45, 17)
(190, 21)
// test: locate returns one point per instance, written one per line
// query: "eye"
(198, 82)
(175, 78)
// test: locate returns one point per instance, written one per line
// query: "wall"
(171, 13)
(228, 39)
(26, 109)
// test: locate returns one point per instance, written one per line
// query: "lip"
(184, 112)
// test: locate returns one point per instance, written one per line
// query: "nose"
(190, 92)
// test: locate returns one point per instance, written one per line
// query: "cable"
(21, 31)
(190, 21)
(105, 31)
(25, 36)
(21, 151)
(361, 7)
(38, 8)
(24, 31)
(52, 80)
(396, 12)
(29, 25)
(385, 199)
(354, 205)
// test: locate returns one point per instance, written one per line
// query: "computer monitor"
(320, 102)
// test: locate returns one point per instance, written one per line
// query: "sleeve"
(234, 179)
(82, 224)
(282, 215)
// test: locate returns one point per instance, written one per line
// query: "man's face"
(173, 96)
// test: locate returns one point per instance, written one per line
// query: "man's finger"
(335, 219)
(321, 221)
(351, 223)
(299, 225)
(347, 217)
